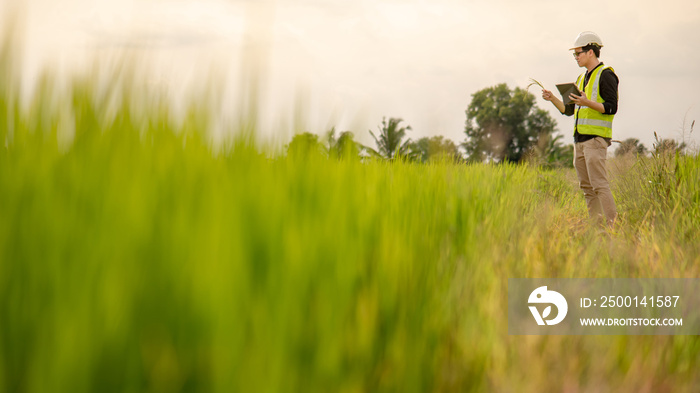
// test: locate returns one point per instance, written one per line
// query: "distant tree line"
(391, 143)
(632, 146)
(502, 125)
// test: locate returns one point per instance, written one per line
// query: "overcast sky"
(349, 63)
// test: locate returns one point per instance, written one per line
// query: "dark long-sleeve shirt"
(608, 91)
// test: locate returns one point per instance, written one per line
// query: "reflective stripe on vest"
(593, 122)
(589, 121)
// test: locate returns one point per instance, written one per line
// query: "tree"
(344, 146)
(630, 146)
(435, 148)
(391, 143)
(503, 124)
(304, 145)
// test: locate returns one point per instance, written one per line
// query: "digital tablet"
(568, 88)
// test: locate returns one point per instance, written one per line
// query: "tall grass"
(135, 255)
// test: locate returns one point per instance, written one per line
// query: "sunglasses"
(577, 54)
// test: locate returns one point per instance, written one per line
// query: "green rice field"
(136, 255)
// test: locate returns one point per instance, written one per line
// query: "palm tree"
(555, 152)
(631, 146)
(390, 143)
(343, 146)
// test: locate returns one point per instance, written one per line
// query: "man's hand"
(547, 95)
(583, 101)
(580, 100)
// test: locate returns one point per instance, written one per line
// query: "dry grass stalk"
(534, 82)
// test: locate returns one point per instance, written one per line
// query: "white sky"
(349, 63)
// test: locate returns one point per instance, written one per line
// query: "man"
(594, 111)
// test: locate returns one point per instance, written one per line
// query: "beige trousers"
(589, 161)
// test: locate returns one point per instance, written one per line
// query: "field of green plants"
(136, 255)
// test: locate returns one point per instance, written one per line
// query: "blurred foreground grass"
(137, 256)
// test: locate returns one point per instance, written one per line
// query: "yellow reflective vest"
(589, 121)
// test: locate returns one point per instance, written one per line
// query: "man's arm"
(583, 101)
(608, 91)
(548, 96)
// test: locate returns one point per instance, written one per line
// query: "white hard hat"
(587, 38)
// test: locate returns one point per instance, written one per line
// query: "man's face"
(581, 56)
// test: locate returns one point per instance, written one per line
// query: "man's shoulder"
(609, 73)
(606, 68)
